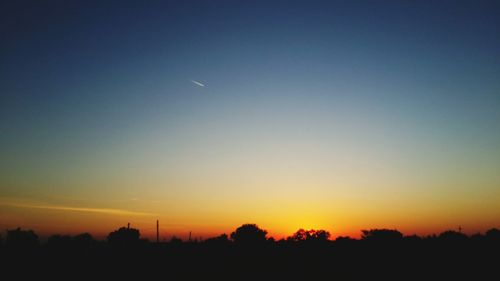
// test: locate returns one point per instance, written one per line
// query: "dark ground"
(381, 256)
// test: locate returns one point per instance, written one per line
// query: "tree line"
(249, 253)
(246, 234)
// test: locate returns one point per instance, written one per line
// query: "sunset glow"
(206, 115)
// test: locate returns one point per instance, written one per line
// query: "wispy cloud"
(75, 209)
(197, 83)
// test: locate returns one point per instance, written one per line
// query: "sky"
(336, 115)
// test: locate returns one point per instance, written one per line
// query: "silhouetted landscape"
(376, 119)
(248, 253)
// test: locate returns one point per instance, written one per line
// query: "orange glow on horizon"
(47, 220)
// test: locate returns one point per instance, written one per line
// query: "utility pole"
(157, 231)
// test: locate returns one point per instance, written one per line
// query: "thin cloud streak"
(78, 209)
(198, 83)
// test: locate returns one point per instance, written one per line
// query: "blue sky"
(386, 98)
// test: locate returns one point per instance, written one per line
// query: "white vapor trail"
(198, 83)
(74, 209)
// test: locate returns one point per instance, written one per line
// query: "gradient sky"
(317, 114)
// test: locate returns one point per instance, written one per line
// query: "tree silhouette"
(381, 235)
(21, 238)
(124, 236)
(308, 252)
(493, 234)
(345, 241)
(66, 242)
(412, 238)
(84, 240)
(310, 235)
(249, 234)
(175, 240)
(219, 240)
(59, 241)
(452, 236)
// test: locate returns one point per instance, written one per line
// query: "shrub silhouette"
(249, 234)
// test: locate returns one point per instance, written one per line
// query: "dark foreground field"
(379, 255)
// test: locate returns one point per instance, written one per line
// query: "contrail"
(198, 83)
(77, 209)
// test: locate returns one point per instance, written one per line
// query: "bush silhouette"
(249, 234)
